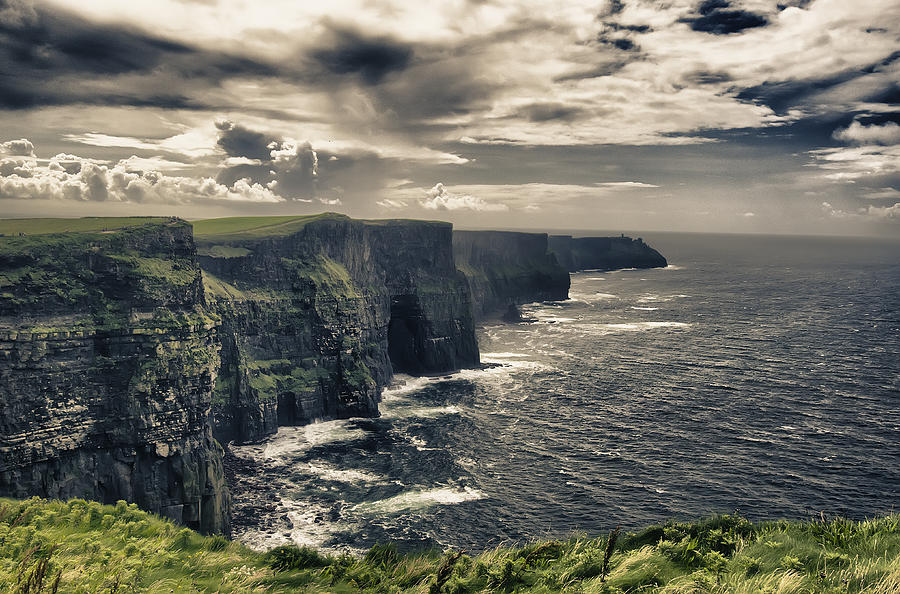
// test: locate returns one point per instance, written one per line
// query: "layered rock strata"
(108, 358)
(319, 313)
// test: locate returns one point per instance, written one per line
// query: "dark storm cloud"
(544, 112)
(371, 58)
(795, 3)
(783, 95)
(718, 18)
(238, 141)
(704, 77)
(260, 174)
(54, 58)
(612, 7)
(630, 28)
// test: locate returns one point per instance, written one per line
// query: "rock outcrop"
(506, 268)
(120, 359)
(604, 253)
(319, 312)
(108, 358)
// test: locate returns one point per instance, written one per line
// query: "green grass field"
(83, 225)
(81, 547)
(238, 228)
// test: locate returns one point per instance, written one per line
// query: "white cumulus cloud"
(440, 198)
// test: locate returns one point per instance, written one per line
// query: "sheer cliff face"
(503, 268)
(107, 365)
(316, 321)
(604, 253)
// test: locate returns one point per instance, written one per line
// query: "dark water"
(755, 374)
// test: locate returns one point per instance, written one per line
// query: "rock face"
(108, 359)
(318, 314)
(506, 268)
(604, 253)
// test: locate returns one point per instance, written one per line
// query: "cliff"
(505, 267)
(604, 253)
(319, 312)
(108, 358)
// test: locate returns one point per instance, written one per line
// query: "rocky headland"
(131, 348)
(604, 253)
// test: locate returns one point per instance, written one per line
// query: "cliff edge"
(108, 358)
(318, 312)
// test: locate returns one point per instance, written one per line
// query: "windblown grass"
(79, 546)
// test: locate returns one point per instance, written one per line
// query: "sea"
(756, 375)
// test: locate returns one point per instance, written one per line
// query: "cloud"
(392, 204)
(626, 184)
(371, 58)
(68, 177)
(869, 213)
(858, 133)
(55, 57)
(883, 194)
(439, 198)
(18, 148)
(717, 18)
(296, 167)
(238, 141)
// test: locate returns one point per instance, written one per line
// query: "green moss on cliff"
(95, 269)
(90, 547)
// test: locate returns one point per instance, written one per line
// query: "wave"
(418, 499)
(340, 475)
(292, 441)
(631, 327)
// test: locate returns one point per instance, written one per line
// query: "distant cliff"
(108, 358)
(505, 267)
(319, 312)
(604, 253)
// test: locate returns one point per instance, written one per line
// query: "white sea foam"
(331, 473)
(409, 411)
(644, 308)
(290, 441)
(418, 499)
(635, 326)
(307, 527)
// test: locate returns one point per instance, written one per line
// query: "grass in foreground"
(79, 546)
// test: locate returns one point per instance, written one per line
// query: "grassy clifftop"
(79, 546)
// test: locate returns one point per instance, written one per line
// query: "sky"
(749, 116)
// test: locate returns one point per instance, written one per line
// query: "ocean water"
(754, 374)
